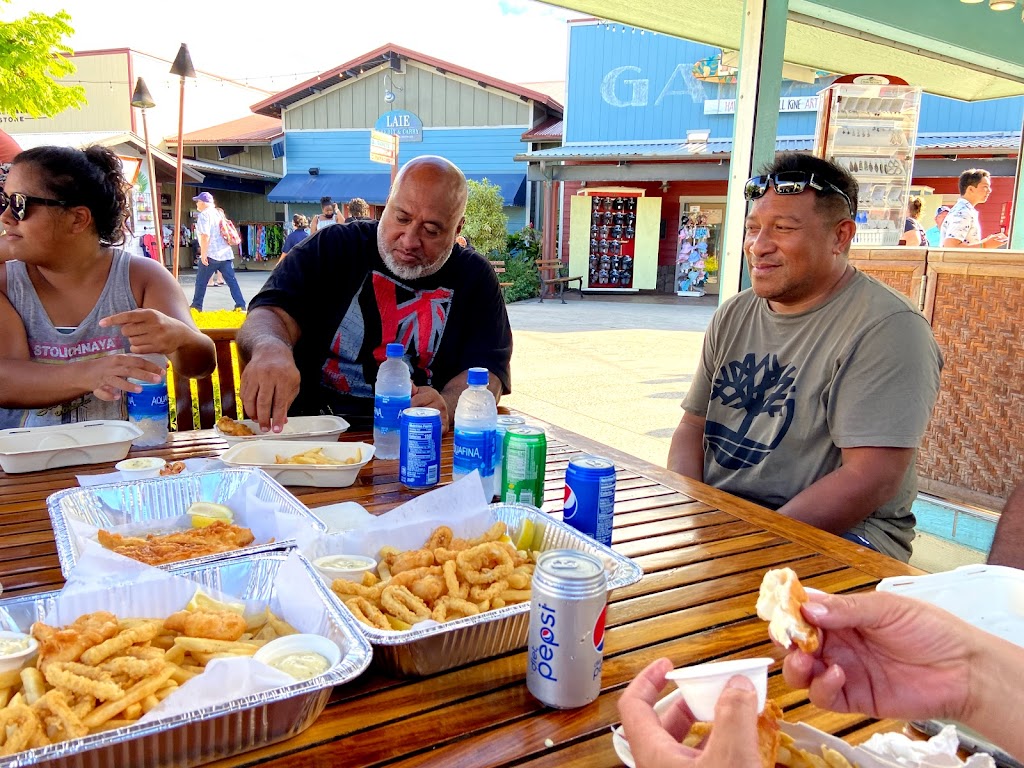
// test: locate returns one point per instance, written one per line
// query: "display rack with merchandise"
(612, 241)
(867, 124)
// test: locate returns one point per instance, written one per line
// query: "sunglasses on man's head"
(791, 183)
(19, 203)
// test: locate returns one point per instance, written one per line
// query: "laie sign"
(402, 123)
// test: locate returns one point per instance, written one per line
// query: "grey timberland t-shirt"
(783, 394)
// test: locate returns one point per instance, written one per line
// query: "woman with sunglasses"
(73, 305)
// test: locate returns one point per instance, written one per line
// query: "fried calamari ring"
(408, 578)
(451, 579)
(56, 703)
(345, 589)
(480, 593)
(368, 613)
(133, 668)
(21, 725)
(429, 588)
(442, 555)
(449, 608)
(439, 537)
(403, 604)
(485, 563)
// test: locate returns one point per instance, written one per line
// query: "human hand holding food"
(657, 742)
(270, 383)
(428, 397)
(886, 656)
(149, 331)
(108, 376)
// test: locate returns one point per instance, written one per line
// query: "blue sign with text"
(401, 123)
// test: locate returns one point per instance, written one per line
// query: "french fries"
(101, 673)
(317, 456)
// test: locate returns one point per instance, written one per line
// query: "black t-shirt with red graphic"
(349, 306)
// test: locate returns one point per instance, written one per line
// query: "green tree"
(30, 66)
(486, 222)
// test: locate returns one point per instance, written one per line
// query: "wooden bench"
(499, 270)
(224, 341)
(551, 279)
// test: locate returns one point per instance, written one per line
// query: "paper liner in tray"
(158, 505)
(433, 647)
(209, 718)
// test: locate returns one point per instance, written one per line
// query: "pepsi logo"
(570, 505)
(599, 631)
(547, 634)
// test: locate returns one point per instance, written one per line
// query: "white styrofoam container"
(31, 449)
(261, 453)
(990, 597)
(325, 428)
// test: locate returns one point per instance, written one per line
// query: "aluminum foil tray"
(454, 643)
(215, 732)
(167, 497)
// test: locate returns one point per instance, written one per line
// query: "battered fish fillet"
(70, 643)
(181, 545)
(229, 426)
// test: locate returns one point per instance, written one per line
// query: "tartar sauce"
(12, 645)
(343, 563)
(301, 666)
(141, 463)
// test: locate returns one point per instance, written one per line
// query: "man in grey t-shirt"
(815, 386)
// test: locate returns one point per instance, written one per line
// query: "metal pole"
(154, 193)
(176, 233)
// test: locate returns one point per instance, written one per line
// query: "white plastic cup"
(361, 565)
(701, 685)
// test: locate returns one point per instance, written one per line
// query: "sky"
(514, 40)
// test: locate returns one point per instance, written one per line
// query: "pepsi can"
(565, 645)
(590, 497)
(419, 455)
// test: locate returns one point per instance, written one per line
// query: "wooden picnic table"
(703, 553)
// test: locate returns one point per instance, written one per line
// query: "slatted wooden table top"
(703, 553)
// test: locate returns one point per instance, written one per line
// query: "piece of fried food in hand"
(213, 625)
(229, 426)
(768, 733)
(779, 603)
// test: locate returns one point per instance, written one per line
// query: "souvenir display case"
(867, 124)
(612, 241)
(697, 252)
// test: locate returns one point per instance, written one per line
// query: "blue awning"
(373, 187)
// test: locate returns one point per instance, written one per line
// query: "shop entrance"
(698, 248)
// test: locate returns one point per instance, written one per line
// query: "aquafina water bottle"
(392, 394)
(476, 421)
(148, 409)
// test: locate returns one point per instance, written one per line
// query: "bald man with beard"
(316, 334)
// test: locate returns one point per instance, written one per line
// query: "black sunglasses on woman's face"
(18, 203)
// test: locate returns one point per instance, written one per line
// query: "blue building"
(650, 116)
(436, 108)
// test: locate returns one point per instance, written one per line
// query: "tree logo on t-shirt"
(758, 388)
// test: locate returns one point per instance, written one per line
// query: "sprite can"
(504, 422)
(522, 479)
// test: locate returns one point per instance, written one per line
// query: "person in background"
(913, 232)
(1008, 543)
(329, 215)
(961, 229)
(358, 210)
(815, 386)
(215, 255)
(297, 235)
(934, 234)
(883, 655)
(73, 304)
(316, 333)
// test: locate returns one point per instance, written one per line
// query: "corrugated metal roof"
(682, 150)
(550, 130)
(236, 171)
(251, 129)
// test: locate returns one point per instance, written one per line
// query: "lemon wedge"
(203, 602)
(206, 513)
(524, 542)
(398, 624)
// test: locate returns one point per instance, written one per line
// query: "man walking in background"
(934, 234)
(961, 229)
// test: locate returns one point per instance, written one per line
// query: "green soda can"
(522, 476)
